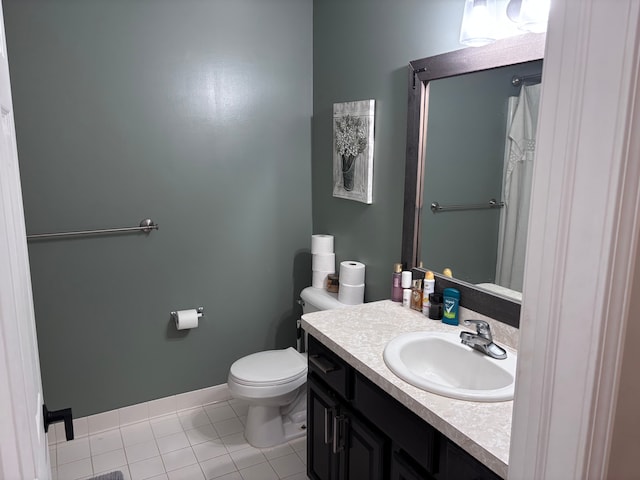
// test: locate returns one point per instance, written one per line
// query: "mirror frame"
(508, 51)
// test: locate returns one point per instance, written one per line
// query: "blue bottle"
(451, 303)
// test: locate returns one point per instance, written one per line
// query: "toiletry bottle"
(428, 288)
(406, 297)
(406, 289)
(447, 272)
(396, 283)
(451, 300)
(436, 307)
(416, 295)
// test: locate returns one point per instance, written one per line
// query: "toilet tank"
(317, 299)
(314, 300)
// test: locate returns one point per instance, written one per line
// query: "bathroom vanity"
(364, 422)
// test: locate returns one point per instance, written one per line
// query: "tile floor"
(197, 444)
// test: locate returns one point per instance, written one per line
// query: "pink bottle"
(396, 283)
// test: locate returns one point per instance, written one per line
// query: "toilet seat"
(269, 368)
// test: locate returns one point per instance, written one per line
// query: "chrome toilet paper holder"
(200, 310)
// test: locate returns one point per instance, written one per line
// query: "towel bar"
(145, 226)
(436, 207)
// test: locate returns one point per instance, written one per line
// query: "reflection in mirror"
(463, 138)
(479, 146)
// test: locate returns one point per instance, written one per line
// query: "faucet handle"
(482, 328)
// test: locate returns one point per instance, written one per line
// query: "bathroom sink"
(439, 363)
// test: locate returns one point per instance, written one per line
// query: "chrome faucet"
(482, 340)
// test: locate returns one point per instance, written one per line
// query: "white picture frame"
(353, 143)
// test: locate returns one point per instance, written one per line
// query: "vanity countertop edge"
(359, 334)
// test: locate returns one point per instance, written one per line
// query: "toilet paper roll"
(351, 294)
(319, 279)
(323, 262)
(321, 243)
(351, 272)
(186, 319)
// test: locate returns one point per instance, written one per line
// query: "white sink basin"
(440, 363)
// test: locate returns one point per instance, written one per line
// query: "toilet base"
(268, 427)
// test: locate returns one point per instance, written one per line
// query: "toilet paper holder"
(200, 310)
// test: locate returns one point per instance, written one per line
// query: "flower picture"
(353, 124)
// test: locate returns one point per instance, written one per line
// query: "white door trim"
(582, 245)
(23, 445)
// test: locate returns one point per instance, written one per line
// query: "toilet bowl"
(273, 383)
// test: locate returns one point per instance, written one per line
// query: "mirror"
(444, 144)
(465, 167)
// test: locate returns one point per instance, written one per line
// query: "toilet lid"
(272, 367)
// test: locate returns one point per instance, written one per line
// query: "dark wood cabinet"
(322, 461)
(460, 465)
(363, 449)
(340, 445)
(404, 468)
(356, 431)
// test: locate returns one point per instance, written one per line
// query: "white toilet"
(273, 384)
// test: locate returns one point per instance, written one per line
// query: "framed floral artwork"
(353, 124)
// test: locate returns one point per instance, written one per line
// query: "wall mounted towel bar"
(436, 207)
(518, 80)
(145, 226)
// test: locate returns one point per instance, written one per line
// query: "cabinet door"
(404, 469)
(322, 409)
(363, 454)
(459, 465)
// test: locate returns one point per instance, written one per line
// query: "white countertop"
(359, 334)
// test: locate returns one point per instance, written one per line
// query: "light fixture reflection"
(534, 15)
(478, 23)
(483, 23)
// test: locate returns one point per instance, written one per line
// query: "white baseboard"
(140, 412)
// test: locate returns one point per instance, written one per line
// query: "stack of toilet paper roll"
(323, 259)
(351, 290)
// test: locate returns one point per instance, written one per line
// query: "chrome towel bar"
(436, 207)
(518, 80)
(145, 226)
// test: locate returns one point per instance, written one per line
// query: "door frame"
(583, 243)
(24, 451)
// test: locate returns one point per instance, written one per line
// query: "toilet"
(273, 384)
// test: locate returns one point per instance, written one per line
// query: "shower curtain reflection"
(518, 171)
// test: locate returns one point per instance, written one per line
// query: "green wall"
(361, 49)
(198, 115)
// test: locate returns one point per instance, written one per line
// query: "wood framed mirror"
(522, 50)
